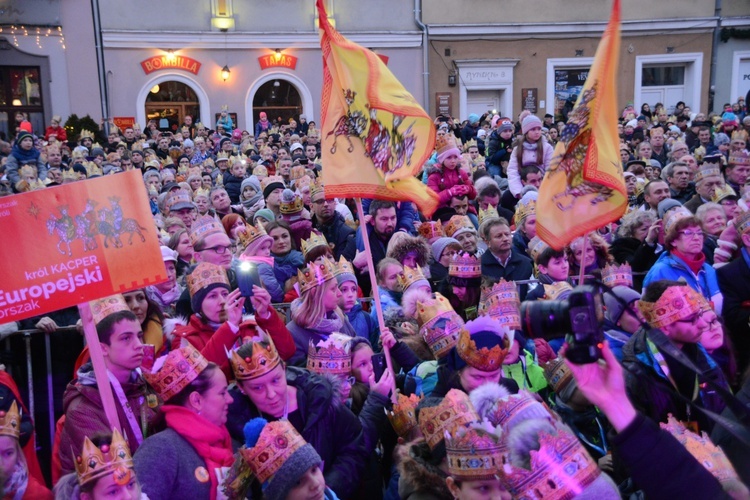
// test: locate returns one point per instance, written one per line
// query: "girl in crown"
(18, 482)
(446, 178)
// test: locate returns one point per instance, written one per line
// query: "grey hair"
(703, 210)
(634, 220)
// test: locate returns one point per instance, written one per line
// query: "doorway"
(483, 101)
(169, 102)
(278, 99)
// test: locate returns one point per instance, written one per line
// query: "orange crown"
(94, 462)
(101, 308)
(173, 372)
(315, 274)
(206, 274)
(409, 277)
(445, 142)
(203, 227)
(475, 453)
(332, 355)
(431, 229)
(277, 443)
(439, 324)
(250, 234)
(315, 240)
(483, 359)
(403, 417)
(10, 422)
(675, 304)
(263, 359)
(456, 223)
(614, 275)
(297, 172)
(465, 265)
(453, 412)
(502, 303)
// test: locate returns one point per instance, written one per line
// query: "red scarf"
(212, 442)
(694, 264)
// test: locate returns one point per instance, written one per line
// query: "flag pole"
(375, 291)
(582, 271)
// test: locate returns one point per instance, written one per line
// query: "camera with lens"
(579, 318)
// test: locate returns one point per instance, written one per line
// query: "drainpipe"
(100, 64)
(714, 48)
(425, 53)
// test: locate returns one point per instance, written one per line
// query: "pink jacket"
(529, 158)
(441, 180)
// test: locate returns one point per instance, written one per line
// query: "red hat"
(25, 126)
(262, 114)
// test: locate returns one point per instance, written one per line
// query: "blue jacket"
(287, 265)
(671, 267)
(268, 278)
(364, 324)
(386, 301)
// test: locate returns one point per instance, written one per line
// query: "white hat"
(168, 254)
(295, 147)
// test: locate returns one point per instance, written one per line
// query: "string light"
(32, 31)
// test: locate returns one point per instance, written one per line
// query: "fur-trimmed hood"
(419, 477)
(411, 297)
(407, 244)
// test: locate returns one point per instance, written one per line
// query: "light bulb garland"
(38, 32)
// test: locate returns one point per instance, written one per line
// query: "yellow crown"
(558, 290)
(614, 275)
(344, 267)
(490, 213)
(739, 135)
(221, 156)
(250, 234)
(722, 192)
(707, 170)
(315, 240)
(561, 468)
(27, 170)
(92, 169)
(101, 308)
(742, 222)
(315, 274)
(206, 274)
(523, 210)
(409, 277)
(475, 453)
(277, 443)
(465, 265)
(174, 371)
(439, 324)
(502, 303)
(96, 462)
(261, 172)
(431, 229)
(470, 144)
(483, 359)
(10, 422)
(675, 304)
(293, 205)
(558, 374)
(316, 188)
(201, 192)
(297, 172)
(458, 222)
(85, 134)
(403, 416)
(263, 359)
(739, 158)
(332, 355)
(69, 175)
(536, 247)
(453, 412)
(445, 142)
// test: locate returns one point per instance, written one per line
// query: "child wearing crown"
(18, 482)
(446, 178)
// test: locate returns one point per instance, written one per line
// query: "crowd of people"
(261, 369)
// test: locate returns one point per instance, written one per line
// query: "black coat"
(736, 451)
(328, 425)
(640, 255)
(338, 235)
(519, 268)
(734, 282)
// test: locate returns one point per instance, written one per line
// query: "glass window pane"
(4, 130)
(657, 76)
(3, 91)
(32, 86)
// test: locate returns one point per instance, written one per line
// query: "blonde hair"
(310, 310)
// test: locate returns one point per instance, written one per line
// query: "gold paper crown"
(178, 368)
(458, 222)
(264, 183)
(315, 274)
(523, 210)
(742, 222)
(263, 359)
(332, 355)
(94, 462)
(431, 229)
(671, 217)
(410, 276)
(561, 468)
(445, 142)
(536, 247)
(10, 422)
(439, 325)
(69, 175)
(101, 308)
(344, 267)
(703, 449)
(92, 169)
(465, 265)
(297, 172)
(315, 240)
(675, 304)
(614, 275)
(722, 192)
(201, 192)
(293, 206)
(490, 213)
(205, 274)
(27, 170)
(317, 187)
(277, 443)
(557, 290)
(470, 144)
(85, 134)
(453, 412)
(179, 196)
(260, 172)
(403, 417)
(707, 170)
(475, 453)
(203, 227)
(221, 156)
(739, 158)
(250, 234)
(739, 135)
(483, 359)
(502, 303)
(558, 374)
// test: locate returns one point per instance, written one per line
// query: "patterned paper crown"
(297, 172)
(201, 192)
(260, 172)
(315, 240)
(445, 142)
(96, 462)
(343, 267)
(205, 274)
(523, 210)
(431, 229)
(465, 265)
(739, 135)
(483, 359)
(203, 227)
(722, 192)
(332, 355)
(475, 453)
(222, 156)
(277, 443)
(439, 325)
(10, 422)
(561, 468)
(175, 371)
(707, 170)
(403, 416)
(453, 412)
(739, 158)
(316, 188)
(250, 234)
(614, 275)
(703, 449)
(85, 134)
(558, 374)
(410, 276)
(315, 274)
(671, 218)
(742, 222)
(180, 196)
(458, 222)
(536, 247)
(502, 303)
(521, 406)
(675, 304)
(101, 308)
(490, 213)
(263, 359)
(293, 205)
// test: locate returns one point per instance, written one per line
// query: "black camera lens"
(545, 319)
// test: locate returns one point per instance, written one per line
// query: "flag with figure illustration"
(374, 136)
(584, 188)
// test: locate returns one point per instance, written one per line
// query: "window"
(658, 76)
(169, 102)
(20, 92)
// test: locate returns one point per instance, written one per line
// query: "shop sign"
(158, 63)
(123, 122)
(277, 61)
(529, 99)
(444, 103)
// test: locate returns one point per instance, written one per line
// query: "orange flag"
(375, 136)
(584, 188)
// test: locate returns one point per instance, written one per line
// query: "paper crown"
(560, 468)
(707, 170)
(175, 371)
(742, 222)
(439, 324)
(475, 453)
(315, 274)
(723, 192)
(27, 170)
(291, 205)
(250, 234)
(444, 143)
(101, 308)
(205, 274)
(316, 188)
(431, 229)
(558, 374)
(222, 156)
(482, 359)
(277, 443)
(203, 227)
(315, 240)
(263, 359)
(85, 134)
(343, 267)
(332, 355)
(410, 276)
(470, 144)
(558, 290)
(69, 175)
(454, 411)
(96, 462)
(403, 416)
(614, 275)
(180, 196)
(273, 179)
(260, 172)
(739, 135)
(523, 210)
(465, 265)
(297, 172)
(92, 169)
(201, 192)
(502, 303)
(458, 222)
(507, 410)
(671, 218)
(675, 304)
(10, 422)
(739, 158)
(536, 247)
(490, 213)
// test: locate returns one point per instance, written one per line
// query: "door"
(481, 102)
(664, 84)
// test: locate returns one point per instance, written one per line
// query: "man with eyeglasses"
(331, 224)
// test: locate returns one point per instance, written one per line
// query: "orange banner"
(77, 242)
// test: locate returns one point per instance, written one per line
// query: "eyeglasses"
(219, 249)
(692, 319)
(713, 323)
(691, 232)
(325, 201)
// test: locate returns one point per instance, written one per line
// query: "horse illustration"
(377, 143)
(131, 227)
(65, 229)
(403, 144)
(106, 229)
(350, 124)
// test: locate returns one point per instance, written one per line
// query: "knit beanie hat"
(632, 123)
(225, 139)
(505, 124)
(438, 246)
(253, 182)
(343, 277)
(264, 213)
(25, 126)
(23, 135)
(721, 138)
(666, 205)
(196, 301)
(613, 308)
(473, 118)
(729, 118)
(530, 122)
(271, 187)
(253, 247)
(188, 143)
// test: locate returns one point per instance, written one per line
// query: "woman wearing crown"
(18, 482)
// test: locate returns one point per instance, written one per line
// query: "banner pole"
(582, 271)
(375, 291)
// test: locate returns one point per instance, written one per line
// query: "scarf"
(210, 441)
(695, 265)
(166, 300)
(24, 157)
(329, 324)
(18, 481)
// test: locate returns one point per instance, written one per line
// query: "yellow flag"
(375, 137)
(584, 188)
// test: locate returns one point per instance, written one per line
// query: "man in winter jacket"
(331, 224)
(501, 260)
